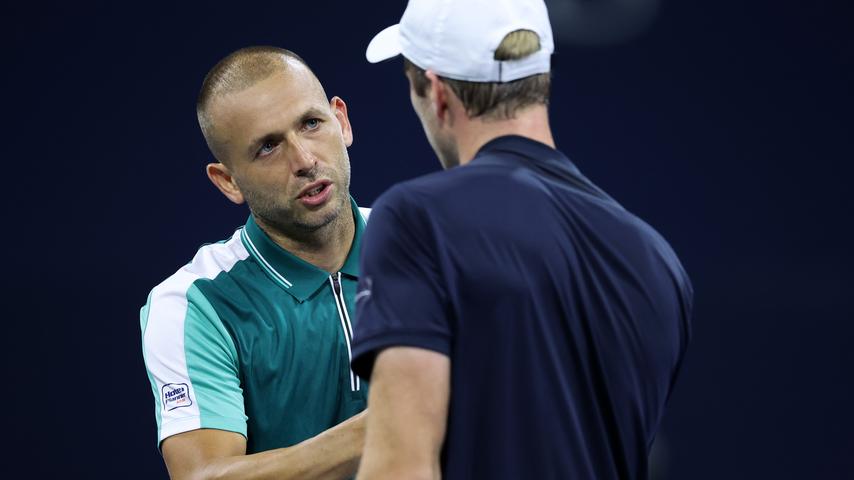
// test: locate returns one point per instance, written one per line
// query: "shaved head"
(235, 73)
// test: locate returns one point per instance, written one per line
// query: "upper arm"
(409, 408)
(402, 298)
(191, 362)
(187, 454)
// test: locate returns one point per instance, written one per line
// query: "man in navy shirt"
(515, 321)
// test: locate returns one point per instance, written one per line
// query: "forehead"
(269, 104)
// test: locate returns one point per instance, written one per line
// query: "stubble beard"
(292, 220)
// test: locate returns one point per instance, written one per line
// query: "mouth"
(314, 189)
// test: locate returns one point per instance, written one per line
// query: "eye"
(266, 149)
(312, 123)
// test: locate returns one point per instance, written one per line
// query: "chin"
(320, 218)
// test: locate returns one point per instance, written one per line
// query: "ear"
(339, 109)
(439, 98)
(221, 177)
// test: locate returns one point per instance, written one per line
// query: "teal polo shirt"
(250, 339)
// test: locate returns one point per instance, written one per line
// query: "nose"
(302, 160)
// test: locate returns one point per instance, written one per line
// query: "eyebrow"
(312, 112)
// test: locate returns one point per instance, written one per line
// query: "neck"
(326, 247)
(474, 133)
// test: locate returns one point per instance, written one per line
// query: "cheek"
(342, 164)
(427, 121)
(269, 179)
(416, 104)
(334, 147)
(412, 98)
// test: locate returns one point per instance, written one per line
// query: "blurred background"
(726, 125)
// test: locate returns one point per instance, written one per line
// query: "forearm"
(387, 467)
(409, 406)
(391, 453)
(331, 455)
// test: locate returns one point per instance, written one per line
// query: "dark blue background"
(727, 126)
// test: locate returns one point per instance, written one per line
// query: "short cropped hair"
(236, 72)
(494, 100)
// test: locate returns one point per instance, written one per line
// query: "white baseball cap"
(457, 38)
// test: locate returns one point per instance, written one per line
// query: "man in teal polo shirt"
(247, 347)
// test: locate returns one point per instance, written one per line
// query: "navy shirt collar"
(524, 146)
(524, 152)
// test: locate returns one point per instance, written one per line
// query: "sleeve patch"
(176, 395)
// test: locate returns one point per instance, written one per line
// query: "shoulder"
(169, 301)
(445, 198)
(651, 244)
(439, 183)
(398, 204)
(415, 194)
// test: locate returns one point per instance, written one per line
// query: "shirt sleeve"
(402, 299)
(191, 362)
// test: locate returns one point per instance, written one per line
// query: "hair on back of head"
(494, 100)
(236, 72)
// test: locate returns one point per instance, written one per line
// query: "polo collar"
(519, 151)
(296, 276)
(524, 146)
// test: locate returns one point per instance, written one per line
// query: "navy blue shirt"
(565, 317)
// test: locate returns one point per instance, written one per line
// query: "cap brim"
(385, 45)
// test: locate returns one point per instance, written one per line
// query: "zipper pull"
(336, 285)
